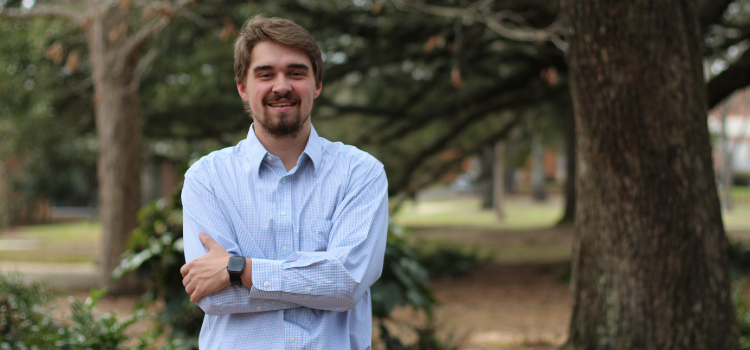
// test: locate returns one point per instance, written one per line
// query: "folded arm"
(335, 279)
(204, 276)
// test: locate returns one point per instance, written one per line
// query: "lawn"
(523, 235)
(521, 213)
(60, 243)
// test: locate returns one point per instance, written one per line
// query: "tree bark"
(118, 123)
(649, 260)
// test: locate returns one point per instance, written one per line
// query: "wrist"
(247, 275)
(235, 269)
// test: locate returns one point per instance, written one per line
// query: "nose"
(281, 86)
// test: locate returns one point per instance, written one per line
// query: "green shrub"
(156, 253)
(26, 321)
(742, 310)
(739, 257)
(449, 261)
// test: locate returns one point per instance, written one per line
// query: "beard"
(285, 124)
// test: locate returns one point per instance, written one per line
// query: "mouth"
(282, 104)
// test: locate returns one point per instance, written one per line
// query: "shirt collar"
(256, 152)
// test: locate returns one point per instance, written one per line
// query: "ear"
(243, 91)
(318, 89)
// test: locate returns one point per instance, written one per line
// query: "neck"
(288, 148)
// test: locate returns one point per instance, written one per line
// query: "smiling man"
(285, 232)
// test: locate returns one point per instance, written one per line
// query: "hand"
(208, 273)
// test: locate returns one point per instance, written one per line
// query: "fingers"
(208, 242)
(184, 270)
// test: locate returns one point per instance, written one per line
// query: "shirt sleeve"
(335, 279)
(202, 213)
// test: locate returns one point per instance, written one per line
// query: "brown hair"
(279, 30)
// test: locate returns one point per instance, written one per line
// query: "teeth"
(281, 104)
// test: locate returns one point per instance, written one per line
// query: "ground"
(518, 300)
(494, 307)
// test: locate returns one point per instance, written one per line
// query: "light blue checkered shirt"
(316, 235)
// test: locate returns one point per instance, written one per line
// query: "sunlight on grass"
(64, 232)
(738, 219)
(520, 213)
(70, 242)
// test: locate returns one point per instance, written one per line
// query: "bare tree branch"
(42, 11)
(480, 11)
(151, 28)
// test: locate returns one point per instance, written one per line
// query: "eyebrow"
(293, 65)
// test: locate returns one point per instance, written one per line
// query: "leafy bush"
(742, 310)
(739, 257)
(156, 253)
(26, 321)
(449, 261)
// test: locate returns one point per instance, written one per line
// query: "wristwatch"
(236, 267)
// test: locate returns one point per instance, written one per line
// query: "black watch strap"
(236, 267)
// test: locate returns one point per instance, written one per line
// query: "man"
(285, 232)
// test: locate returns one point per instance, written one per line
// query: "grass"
(520, 214)
(70, 242)
(738, 219)
(79, 241)
(77, 231)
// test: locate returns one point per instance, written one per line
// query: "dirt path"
(502, 307)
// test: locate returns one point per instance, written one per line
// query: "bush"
(26, 321)
(449, 261)
(742, 310)
(156, 253)
(739, 257)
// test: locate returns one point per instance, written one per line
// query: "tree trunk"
(538, 178)
(649, 260)
(570, 171)
(497, 179)
(118, 122)
(726, 157)
(486, 180)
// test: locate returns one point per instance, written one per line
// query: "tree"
(116, 37)
(533, 26)
(650, 265)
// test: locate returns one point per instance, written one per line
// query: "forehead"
(269, 53)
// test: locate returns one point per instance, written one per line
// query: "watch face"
(236, 264)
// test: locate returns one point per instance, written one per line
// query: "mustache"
(287, 96)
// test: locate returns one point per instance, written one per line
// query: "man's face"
(279, 88)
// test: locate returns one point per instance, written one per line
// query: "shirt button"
(266, 284)
(259, 307)
(309, 289)
(288, 314)
(269, 158)
(283, 248)
(283, 181)
(294, 339)
(283, 213)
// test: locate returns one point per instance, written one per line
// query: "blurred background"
(468, 107)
